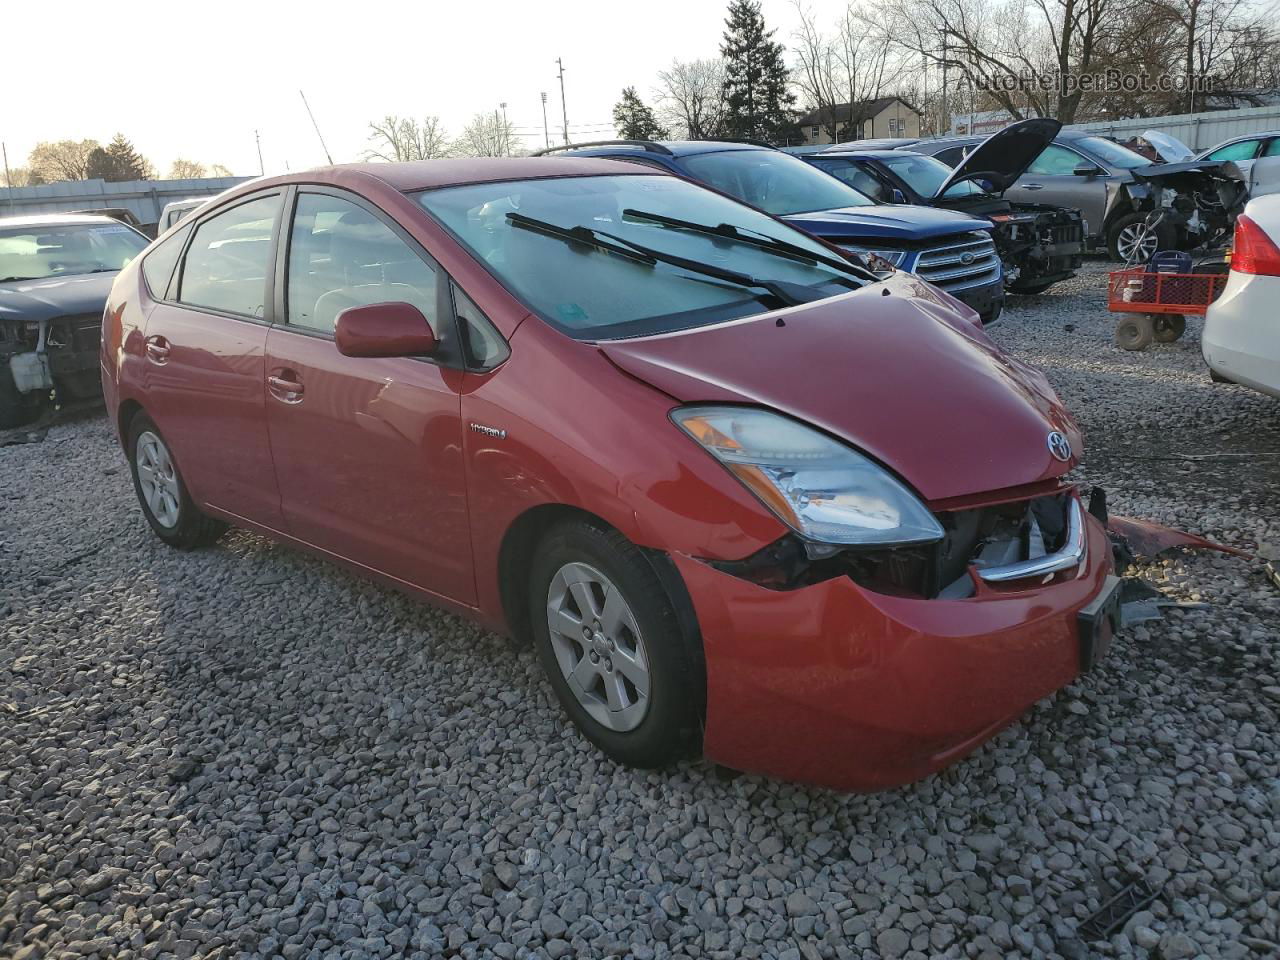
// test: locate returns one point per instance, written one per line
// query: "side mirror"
(1087, 170)
(898, 196)
(384, 330)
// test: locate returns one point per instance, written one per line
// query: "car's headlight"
(894, 258)
(824, 490)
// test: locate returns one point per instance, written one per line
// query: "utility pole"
(319, 135)
(546, 136)
(564, 111)
(506, 137)
(8, 183)
(262, 171)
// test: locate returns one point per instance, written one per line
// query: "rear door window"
(225, 268)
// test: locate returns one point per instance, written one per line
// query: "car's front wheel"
(1133, 240)
(165, 501)
(615, 651)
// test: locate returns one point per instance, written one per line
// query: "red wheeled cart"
(1154, 305)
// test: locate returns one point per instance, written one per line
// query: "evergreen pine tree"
(634, 119)
(757, 99)
(118, 161)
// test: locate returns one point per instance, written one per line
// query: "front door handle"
(285, 388)
(157, 349)
(1033, 186)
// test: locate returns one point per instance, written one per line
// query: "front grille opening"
(988, 536)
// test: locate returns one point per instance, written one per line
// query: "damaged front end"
(44, 355)
(1033, 539)
(1195, 203)
(1039, 245)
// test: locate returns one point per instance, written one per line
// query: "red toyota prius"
(748, 499)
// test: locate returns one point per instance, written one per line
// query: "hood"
(901, 222)
(893, 369)
(1191, 172)
(1169, 148)
(1005, 155)
(55, 296)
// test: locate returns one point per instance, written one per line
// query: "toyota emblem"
(1059, 446)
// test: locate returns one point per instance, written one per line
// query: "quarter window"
(1273, 148)
(484, 345)
(341, 256)
(157, 266)
(226, 266)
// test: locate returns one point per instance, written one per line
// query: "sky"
(196, 81)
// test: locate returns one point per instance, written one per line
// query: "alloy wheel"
(1136, 243)
(598, 646)
(158, 479)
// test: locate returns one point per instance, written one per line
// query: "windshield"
(1111, 154)
(777, 183)
(593, 294)
(925, 175)
(39, 252)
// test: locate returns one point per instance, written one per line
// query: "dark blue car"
(55, 273)
(953, 251)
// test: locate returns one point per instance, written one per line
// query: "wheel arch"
(127, 410)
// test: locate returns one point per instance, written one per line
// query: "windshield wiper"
(790, 294)
(774, 245)
(15, 279)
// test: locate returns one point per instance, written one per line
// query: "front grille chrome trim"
(1068, 555)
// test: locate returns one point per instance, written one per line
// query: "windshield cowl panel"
(607, 257)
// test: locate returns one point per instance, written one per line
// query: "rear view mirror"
(1086, 170)
(384, 330)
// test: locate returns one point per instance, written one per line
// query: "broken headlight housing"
(825, 491)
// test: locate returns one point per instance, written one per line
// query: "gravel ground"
(246, 752)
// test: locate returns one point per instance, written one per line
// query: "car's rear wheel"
(1168, 327)
(613, 647)
(165, 501)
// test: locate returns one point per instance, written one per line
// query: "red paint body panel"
(369, 461)
(834, 685)
(899, 376)
(208, 399)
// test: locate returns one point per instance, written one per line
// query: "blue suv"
(953, 251)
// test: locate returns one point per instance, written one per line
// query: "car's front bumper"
(836, 685)
(987, 300)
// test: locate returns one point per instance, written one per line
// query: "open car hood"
(1169, 148)
(1005, 155)
(896, 369)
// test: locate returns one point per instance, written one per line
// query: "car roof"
(55, 220)
(675, 148)
(879, 152)
(428, 174)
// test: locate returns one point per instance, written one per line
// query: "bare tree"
(17, 177)
(186, 170)
(404, 138)
(487, 135)
(220, 170)
(691, 98)
(61, 160)
(854, 66)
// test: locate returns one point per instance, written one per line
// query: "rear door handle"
(1033, 186)
(157, 349)
(284, 388)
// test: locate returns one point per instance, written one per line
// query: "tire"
(1161, 237)
(17, 409)
(648, 714)
(1168, 327)
(1134, 331)
(174, 516)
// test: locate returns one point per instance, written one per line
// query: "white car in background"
(175, 211)
(1241, 340)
